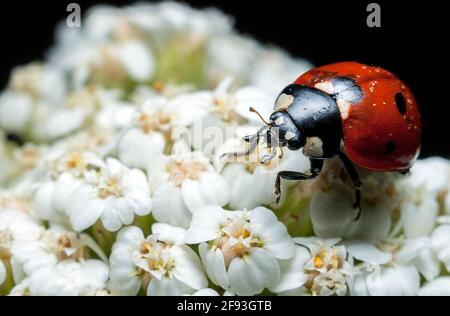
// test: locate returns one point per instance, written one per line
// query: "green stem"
(104, 238)
(6, 287)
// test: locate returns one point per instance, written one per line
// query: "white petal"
(440, 240)
(432, 173)
(135, 179)
(168, 287)
(69, 278)
(197, 108)
(43, 200)
(248, 190)
(83, 208)
(64, 187)
(367, 252)
(251, 274)
(249, 96)
(359, 286)
(206, 292)
(169, 233)
(139, 200)
(333, 215)
(138, 149)
(188, 268)
(111, 216)
(169, 207)
(419, 220)
(137, 60)
(437, 287)
(123, 279)
(15, 111)
(292, 272)
(395, 281)
(276, 239)
(210, 189)
(205, 224)
(214, 265)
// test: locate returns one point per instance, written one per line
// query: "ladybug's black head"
(284, 132)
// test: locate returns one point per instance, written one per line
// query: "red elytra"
(386, 114)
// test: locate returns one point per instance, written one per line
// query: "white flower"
(393, 281)
(140, 144)
(429, 179)
(320, 267)
(437, 287)
(54, 246)
(419, 213)
(15, 227)
(225, 107)
(69, 278)
(115, 115)
(137, 60)
(40, 81)
(275, 69)
(239, 249)
(181, 184)
(440, 242)
(37, 95)
(432, 174)
(419, 253)
(67, 172)
(333, 215)
(15, 111)
(115, 198)
(393, 268)
(160, 267)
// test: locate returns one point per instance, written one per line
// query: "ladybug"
(363, 114)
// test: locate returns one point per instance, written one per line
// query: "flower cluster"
(112, 182)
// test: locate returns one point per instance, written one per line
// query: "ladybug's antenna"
(251, 109)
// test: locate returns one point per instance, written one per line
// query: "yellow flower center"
(235, 240)
(180, 171)
(154, 122)
(111, 187)
(318, 262)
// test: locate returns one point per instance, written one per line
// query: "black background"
(410, 42)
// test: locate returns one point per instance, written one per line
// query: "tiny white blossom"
(54, 245)
(393, 268)
(15, 226)
(240, 249)
(118, 194)
(320, 267)
(181, 184)
(69, 278)
(159, 266)
(67, 172)
(152, 125)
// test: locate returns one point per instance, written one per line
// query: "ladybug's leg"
(351, 170)
(316, 167)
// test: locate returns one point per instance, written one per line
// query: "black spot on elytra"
(400, 102)
(389, 147)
